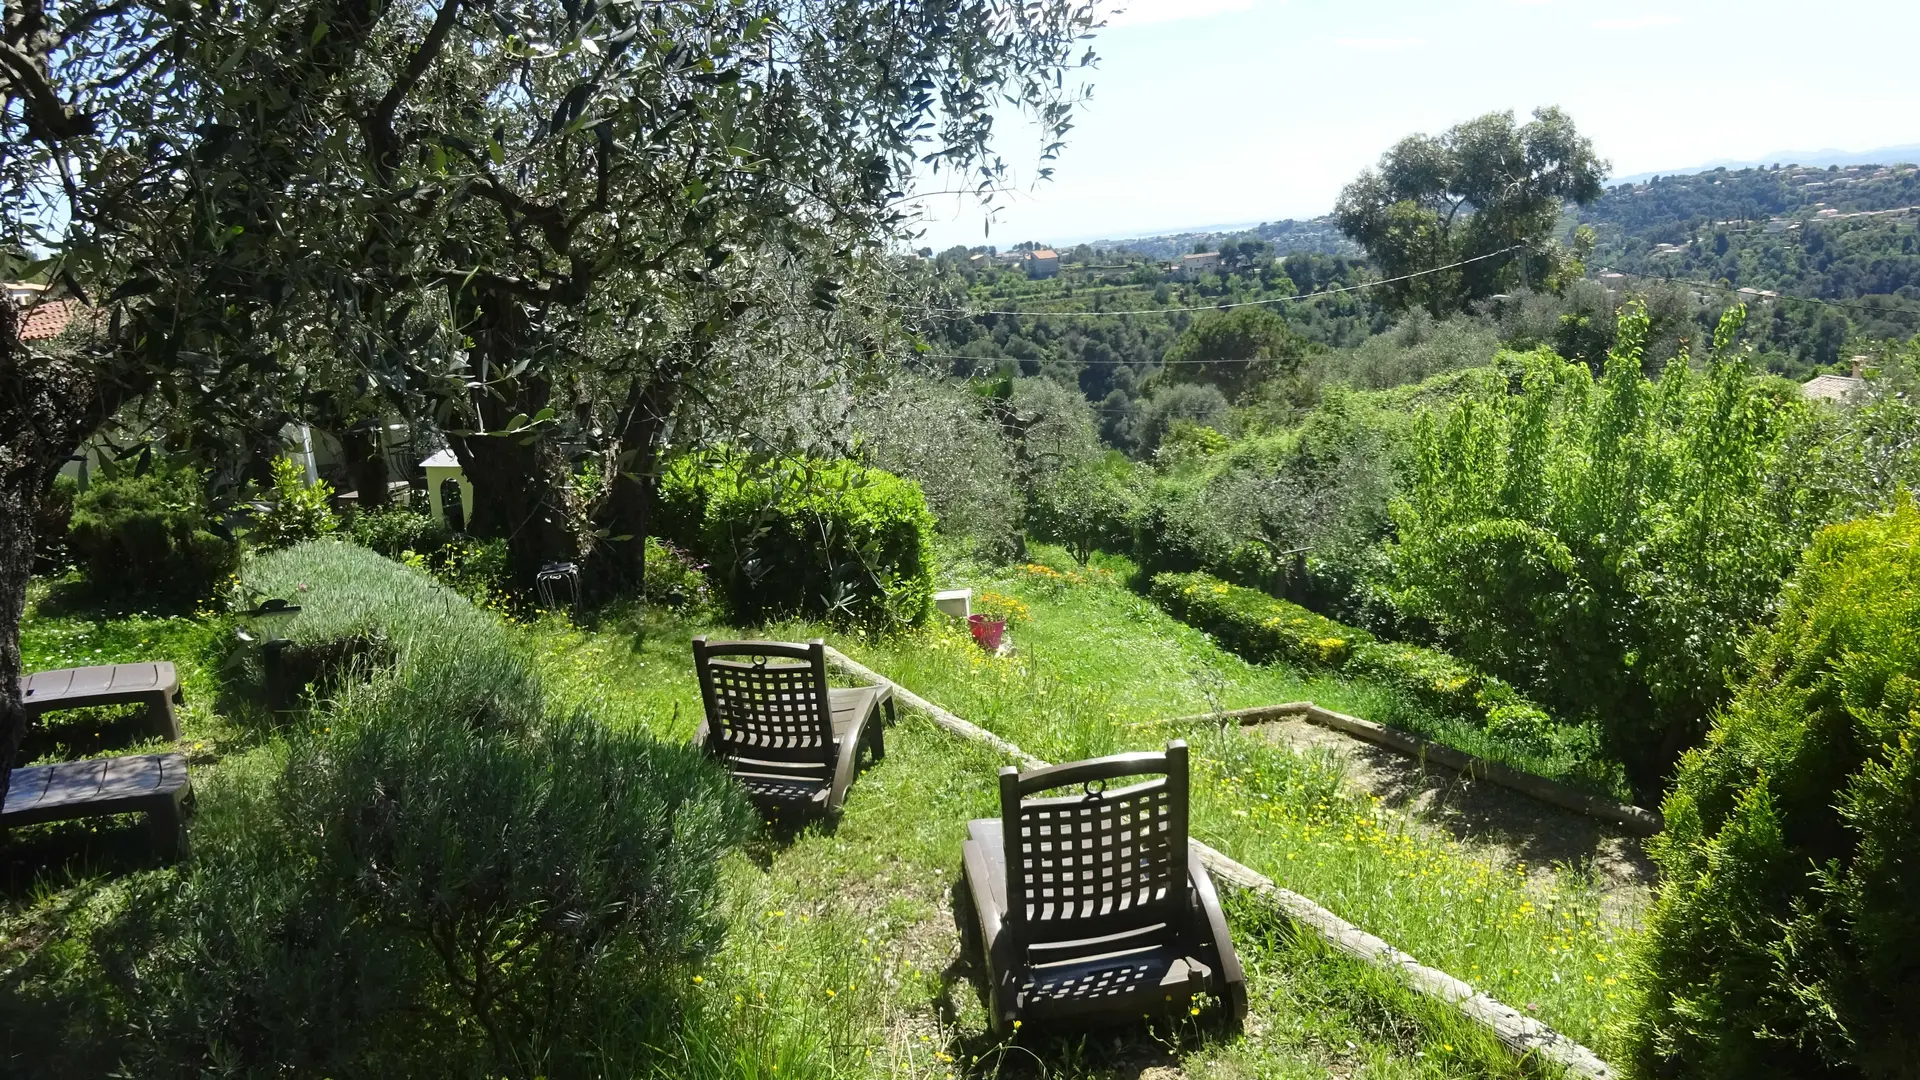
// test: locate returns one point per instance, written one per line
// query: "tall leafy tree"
(1488, 190)
(1235, 350)
(551, 225)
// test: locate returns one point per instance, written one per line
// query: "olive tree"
(547, 224)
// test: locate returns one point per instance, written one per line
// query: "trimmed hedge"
(819, 538)
(359, 607)
(1785, 941)
(1264, 629)
(1256, 625)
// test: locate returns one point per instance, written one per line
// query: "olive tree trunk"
(617, 564)
(517, 477)
(48, 406)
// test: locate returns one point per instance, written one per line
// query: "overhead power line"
(1251, 303)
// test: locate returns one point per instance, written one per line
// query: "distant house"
(1199, 263)
(1839, 389)
(1043, 263)
(42, 318)
(1614, 281)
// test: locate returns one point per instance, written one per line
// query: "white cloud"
(1142, 12)
(1641, 22)
(1379, 44)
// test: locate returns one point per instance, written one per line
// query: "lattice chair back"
(1106, 861)
(767, 700)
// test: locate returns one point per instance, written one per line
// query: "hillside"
(1846, 235)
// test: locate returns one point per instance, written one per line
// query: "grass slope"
(842, 958)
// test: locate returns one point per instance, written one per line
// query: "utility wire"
(1249, 303)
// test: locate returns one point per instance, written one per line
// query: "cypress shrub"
(150, 534)
(1785, 941)
(821, 538)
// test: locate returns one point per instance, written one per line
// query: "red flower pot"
(987, 632)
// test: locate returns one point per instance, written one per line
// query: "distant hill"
(1848, 235)
(1886, 155)
(1315, 236)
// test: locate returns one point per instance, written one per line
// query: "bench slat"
(46, 687)
(75, 789)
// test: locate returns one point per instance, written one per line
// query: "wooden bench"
(154, 685)
(153, 784)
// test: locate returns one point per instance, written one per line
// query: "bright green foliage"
(294, 511)
(392, 530)
(1088, 507)
(1264, 630)
(1786, 942)
(1452, 688)
(150, 534)
(1256, 625)
(675, 578)
(1604, 544)
(827, 538)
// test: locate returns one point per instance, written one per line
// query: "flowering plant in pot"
(997, 612)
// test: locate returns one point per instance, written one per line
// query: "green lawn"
(842, 957)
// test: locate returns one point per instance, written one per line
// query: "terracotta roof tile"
(46, 320)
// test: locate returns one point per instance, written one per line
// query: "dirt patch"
(1503, 825)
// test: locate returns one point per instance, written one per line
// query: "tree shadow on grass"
(73, 734)
(76, 596)
(64, 855)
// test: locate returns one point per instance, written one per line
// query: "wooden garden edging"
(1523, 1035)
(1634, 819)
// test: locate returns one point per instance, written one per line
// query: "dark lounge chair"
(787, 737)
(153, 784)
(1091, 909)
(154, 685)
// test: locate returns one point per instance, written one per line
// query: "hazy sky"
(1226, 111)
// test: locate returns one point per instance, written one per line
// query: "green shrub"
(294, 511)
(675, 578)
(1086, 508)
(357, 607)
(435, 877)
(411, 896)
(822, 538)
(1264, 629)
(472, 567)
(1785, 941)
(394, 530)
(1606, 544)
(1256, 625)
(150, 534)
(1180, 530)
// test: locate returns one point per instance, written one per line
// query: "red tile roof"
(45, 320)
